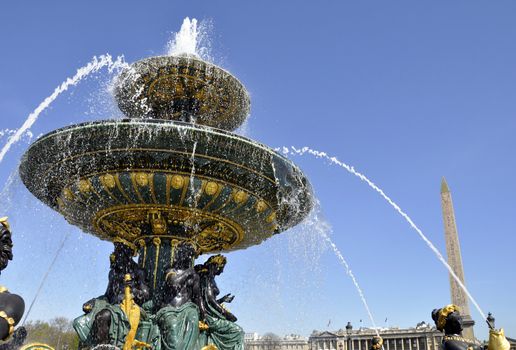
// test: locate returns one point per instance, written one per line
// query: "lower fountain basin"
(135, 179)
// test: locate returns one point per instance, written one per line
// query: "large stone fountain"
(172, 174)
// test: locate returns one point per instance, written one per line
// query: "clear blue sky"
(405, 91)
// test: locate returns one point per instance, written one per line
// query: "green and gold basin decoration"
(170, 172)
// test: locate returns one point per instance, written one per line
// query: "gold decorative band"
(9, 320)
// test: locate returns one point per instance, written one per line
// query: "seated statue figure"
(12, 306)
(104, 322)
(449, 321)
(178, 316)
(222, 331)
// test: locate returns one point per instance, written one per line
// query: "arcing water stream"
(93, 66)
(352, 276)
(350, 169)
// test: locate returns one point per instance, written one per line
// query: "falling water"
(5, 132)
(362, 177)
(93, 66)
(353, 278)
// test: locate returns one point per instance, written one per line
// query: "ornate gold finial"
(443, 313)
(5, 223)
(444, 186)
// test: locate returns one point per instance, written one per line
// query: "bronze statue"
(178, 316)
(222, 330)
(12, 306)
(449, 321)
(104, 321)
(122, 263)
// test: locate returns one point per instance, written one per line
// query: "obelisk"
(458, 296)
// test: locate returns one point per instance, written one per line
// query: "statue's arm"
(216, 305)
(226, 299)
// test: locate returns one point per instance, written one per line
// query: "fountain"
(169, 183)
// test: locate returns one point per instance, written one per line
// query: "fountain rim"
(187, 57)
(147, 121)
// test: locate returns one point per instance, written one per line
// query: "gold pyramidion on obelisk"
(458, 296)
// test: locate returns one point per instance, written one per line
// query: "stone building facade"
(253, 341)
(421, 337)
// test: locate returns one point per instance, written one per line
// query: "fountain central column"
(157, 247)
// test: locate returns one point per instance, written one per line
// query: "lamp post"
(349, 329)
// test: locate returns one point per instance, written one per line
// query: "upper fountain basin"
(133, 179)
(182, 88)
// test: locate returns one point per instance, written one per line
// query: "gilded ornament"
(9, 320)
(36, 346)
(125, 242)
(210, 347)
(84, 186)
(108, 180)
(177, 182)
(271, 217)
(203, 326)
(142, 179)
(261, 206)
(211, 188)
(60, 203)
(68, 194)
(443, 313)
(158, 223)
(240, 197)
(5, 223)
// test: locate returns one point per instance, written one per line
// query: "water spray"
(351, 169)
(93, 66)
